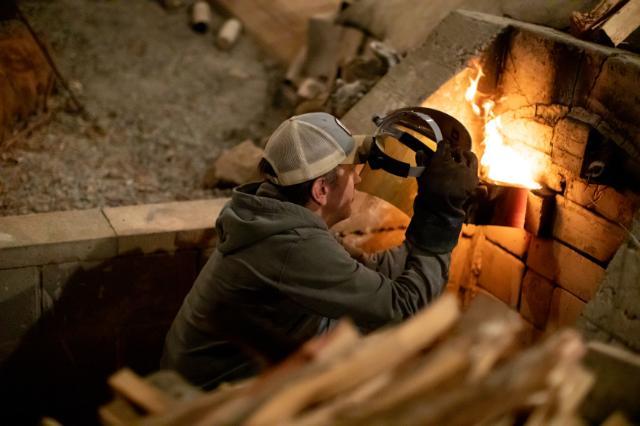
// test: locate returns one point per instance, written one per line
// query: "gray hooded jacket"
(278, 271)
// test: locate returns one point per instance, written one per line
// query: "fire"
(503, 162)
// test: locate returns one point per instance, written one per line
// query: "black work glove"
(444, 188)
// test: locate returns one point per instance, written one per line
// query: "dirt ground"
(168, 101)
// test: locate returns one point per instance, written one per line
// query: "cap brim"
(360, 151)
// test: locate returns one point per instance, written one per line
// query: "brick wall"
(557, 95)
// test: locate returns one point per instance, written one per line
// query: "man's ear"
(320, 191)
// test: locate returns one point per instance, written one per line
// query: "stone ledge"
(152, 227)
(85, 235)
(38, 239)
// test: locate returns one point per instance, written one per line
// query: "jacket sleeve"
(389, 262)
(321, 276)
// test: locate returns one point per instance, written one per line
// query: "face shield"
(419, 129)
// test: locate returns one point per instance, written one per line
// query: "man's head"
(313, 159)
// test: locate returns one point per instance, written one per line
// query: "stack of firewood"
(439, 367)
(335, 68)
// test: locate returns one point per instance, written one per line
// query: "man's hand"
(450, 178)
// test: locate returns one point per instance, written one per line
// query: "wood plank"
(623, 23)
(132, 387)
(280, 26)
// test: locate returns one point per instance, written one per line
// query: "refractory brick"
(564, 310)
(501, 273)
(586, 231)
(535, 299)
(568, 268)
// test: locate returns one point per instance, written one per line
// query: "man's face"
(341, 193)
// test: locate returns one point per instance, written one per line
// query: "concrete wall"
(83, 293)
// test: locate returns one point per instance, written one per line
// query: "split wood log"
(378, 353)
(583, 23)
(229, 34)
(510, 387)
(623, 23)
(485, 333)
(133, 388)
(309, 360)
(118, 413)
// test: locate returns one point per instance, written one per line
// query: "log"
(510, 387)
(310, 359)
(383, 351)
(133, 388)
(201, 16)
(583, 23)
(623, 23)
(229, 34)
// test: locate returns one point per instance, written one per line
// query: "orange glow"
(503, 163)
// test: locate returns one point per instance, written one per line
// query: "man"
(278, 276)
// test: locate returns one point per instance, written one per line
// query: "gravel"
(164, 103)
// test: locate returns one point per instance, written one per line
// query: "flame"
(503, 162)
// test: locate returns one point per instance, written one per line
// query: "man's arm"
(321, 276)
(389, 262)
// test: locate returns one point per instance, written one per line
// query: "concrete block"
(535, 299)
(604, 200)
(571, 136)
(514, 240)
(568, 268)
(19, 302)
(615, 308)
(501, 273)
(38, 239)
(165, 227)
(564, 310)
(586, 231)
(617, 385)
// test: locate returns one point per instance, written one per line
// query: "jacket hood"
(257, 211)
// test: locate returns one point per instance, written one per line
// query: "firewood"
(132, 387)
(201, 16)
(323, 38)
(385, 350)
(228, 34)
(294, 71)
(118, 413)
(624, 22)
(508, 388)
(583, 23)
(486, 332)
(310, 359)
